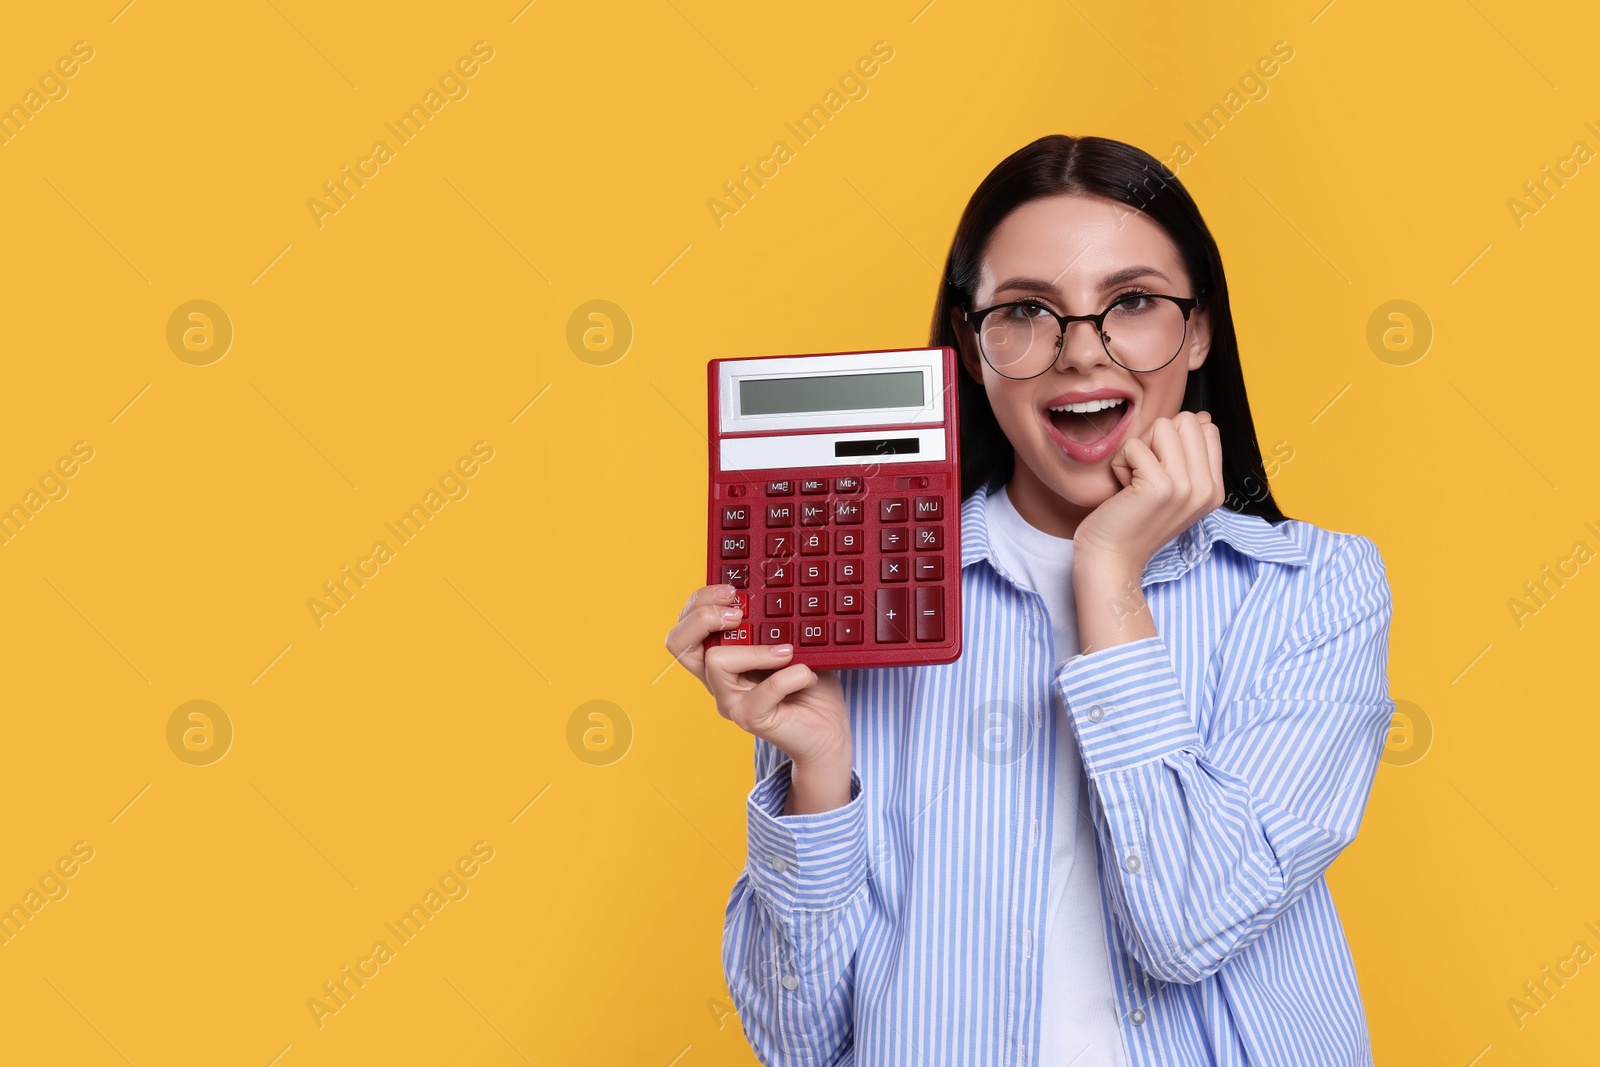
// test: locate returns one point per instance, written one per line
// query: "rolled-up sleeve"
(812, 861)
(1209, 838)
(795, 917)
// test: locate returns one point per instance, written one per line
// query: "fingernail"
(726, 590)
(730, 613)
(782, 650)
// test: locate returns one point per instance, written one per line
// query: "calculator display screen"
(831, 392)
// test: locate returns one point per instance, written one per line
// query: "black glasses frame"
(1186, 304)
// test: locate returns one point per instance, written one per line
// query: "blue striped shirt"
(1229, 761)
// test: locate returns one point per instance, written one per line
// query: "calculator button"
(735, 516)
(929, 537)
(780, 545)
(813, 514)
(736, 635)
(849, 542)
(847, 601)
(893, 539)
(813, 485)
(929, 507)
(893, 570)
(892, 615)
(780, 514)
(814, 572)
(782, 488)
(847, 571)
(847, 485)
(847, 631)
(780, 604)
(737, 547)
(814, 603)
(892, 509)
(774, 633)
(847, 511)
(814, 543)
(777, 572)
(930, 613)
(741, 600)
(930, 568)
(736, 574)
(813, 633)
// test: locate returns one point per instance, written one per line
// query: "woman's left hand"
(1171, 476)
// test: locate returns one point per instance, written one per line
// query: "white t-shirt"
(1080, 1025)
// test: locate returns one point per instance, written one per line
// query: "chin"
(1082, 486)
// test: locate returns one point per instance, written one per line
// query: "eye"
(1025, 309)
(1134, 301)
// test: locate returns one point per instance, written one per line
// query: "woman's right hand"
(799, 711)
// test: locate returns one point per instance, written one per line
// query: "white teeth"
(1089, 405)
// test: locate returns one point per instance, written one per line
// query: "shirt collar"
(1250, 535)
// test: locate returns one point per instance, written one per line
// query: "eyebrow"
(1110, 281)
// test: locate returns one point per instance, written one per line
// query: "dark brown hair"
(1098, 166)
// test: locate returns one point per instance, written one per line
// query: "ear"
(1198, 344)
(966, 346)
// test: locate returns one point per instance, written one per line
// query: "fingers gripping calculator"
(835, 505)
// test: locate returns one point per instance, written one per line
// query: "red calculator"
(835, 501)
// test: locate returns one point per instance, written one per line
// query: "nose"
(1080, 343)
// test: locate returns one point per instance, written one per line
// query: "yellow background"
(428, 313)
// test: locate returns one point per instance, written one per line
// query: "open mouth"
(1091, 421)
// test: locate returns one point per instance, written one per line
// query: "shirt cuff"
(813, 862)
(1125, 705)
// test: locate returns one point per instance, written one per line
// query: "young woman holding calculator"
(1100, 836)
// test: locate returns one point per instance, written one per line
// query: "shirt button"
(790, 981)
(1136, 1016)
(1131, 861)
(780, 864)
(1096, 713)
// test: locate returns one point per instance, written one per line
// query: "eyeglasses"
(1141, 332)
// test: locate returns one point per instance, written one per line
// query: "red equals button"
(930, 613)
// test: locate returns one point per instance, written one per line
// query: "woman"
(1099, 837)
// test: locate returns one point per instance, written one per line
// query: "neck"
(1042, 507)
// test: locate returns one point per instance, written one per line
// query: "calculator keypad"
(801, 550)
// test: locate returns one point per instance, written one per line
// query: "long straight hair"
(1098, 166)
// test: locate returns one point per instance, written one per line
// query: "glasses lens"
(1144, 332)
(1019, 341)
